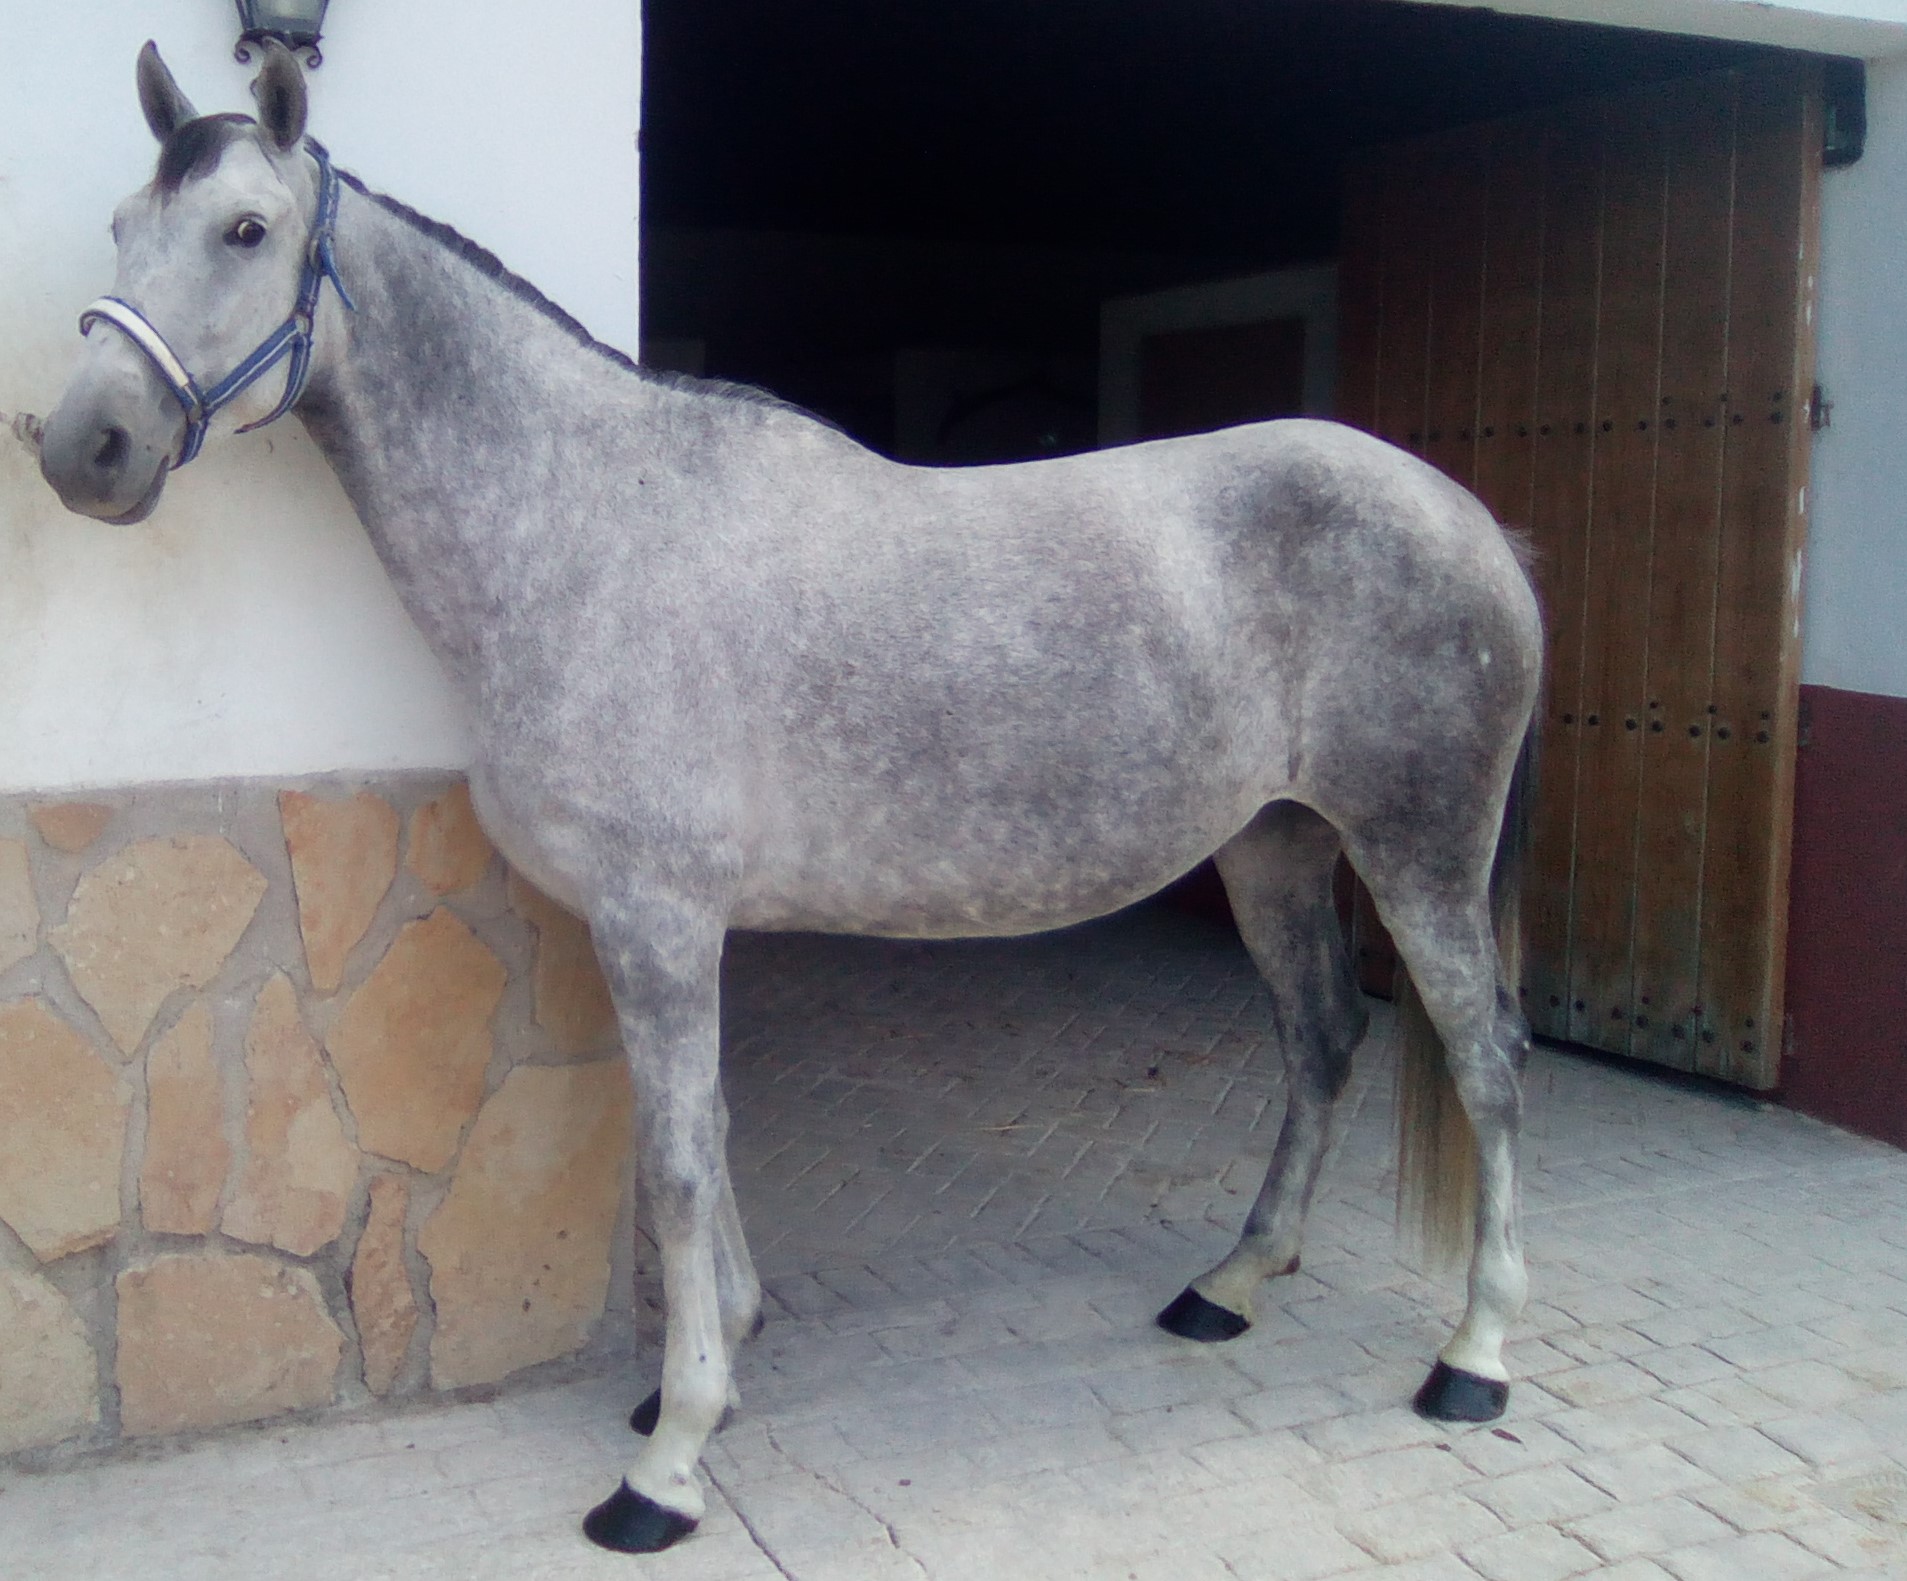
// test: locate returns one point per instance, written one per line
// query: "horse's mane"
(196, 146)
(491, 267)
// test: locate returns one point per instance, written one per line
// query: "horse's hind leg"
(1468, 1029)
(1277, 873)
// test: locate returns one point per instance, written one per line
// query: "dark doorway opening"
(907, 216)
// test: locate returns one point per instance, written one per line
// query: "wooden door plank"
(1509, 326)
(1559, 531)
(1675, 740)
(1616, 603)
(1455, 244)
(1756, 672)
(1403, 353)
(1405, 214)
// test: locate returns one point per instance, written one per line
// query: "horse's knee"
(1325, 1062)
(682, 1181)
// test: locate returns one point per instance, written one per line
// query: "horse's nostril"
(114, 446)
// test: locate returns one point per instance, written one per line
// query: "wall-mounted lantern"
(294, 23)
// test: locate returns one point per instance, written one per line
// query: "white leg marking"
(1499, 1284)
(695, 1383)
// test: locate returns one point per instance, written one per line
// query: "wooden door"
(1600, 318)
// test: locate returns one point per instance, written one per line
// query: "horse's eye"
(248, 232)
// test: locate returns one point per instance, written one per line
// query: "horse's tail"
(1436, 1148)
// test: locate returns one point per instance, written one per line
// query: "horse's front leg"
(736, 1282)
(662, 957)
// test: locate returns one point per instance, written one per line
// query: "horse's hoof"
(1450, 1394)
(631, 1524)
(1191, 1316)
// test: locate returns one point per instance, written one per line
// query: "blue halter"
(290, 339)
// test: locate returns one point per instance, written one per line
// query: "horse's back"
(992, 698)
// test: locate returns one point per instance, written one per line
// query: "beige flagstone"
(156, 917)
(62, 1134)
(448, 849)
(299, 1165)
(412, 1044)
(572, 999)
(206, 1340)
(187, 1156)
(381, 1298)
(19, 911)
(343, 858)
(519, 1248)
(49, 1381)
(70, 826)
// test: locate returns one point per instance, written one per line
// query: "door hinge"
(1820, 409)
(1844, 112)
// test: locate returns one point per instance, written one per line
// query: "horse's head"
(213, 264)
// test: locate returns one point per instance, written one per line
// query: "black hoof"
(631, 1524)
(1451, 1395)
(1191, 1316)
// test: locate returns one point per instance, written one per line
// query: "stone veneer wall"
(304, 1102)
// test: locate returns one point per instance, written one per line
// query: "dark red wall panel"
(1847, 920)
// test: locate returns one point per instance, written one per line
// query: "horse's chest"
(535, 847)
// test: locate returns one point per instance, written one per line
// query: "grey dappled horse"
(728, 669)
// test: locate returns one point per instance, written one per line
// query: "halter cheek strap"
(290, 339)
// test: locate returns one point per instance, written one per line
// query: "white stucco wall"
(1855, 632)
(247, 629)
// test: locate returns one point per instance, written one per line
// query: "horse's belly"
(967, 881)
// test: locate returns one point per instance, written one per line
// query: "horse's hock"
(304, 1102)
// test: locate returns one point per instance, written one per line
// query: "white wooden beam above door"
(1868, 28)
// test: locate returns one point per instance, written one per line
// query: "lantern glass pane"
(300, 19)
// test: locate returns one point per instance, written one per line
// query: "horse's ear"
(166, 108)
(280, 92)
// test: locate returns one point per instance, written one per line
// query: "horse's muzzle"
(99, 469)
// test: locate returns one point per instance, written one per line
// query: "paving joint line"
(741, 1515)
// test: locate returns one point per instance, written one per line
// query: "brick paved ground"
(974, 1171)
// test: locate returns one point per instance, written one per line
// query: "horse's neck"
(450, 420)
